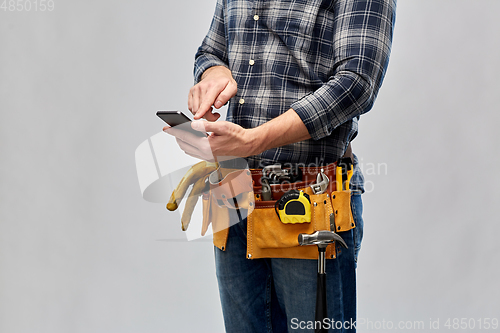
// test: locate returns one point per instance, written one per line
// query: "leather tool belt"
(267, 235)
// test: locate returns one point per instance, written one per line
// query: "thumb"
(216, 128)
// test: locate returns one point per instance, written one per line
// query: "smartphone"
(175, 118)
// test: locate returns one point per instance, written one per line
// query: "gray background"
(81, 251)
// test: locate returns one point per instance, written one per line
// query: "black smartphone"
(175, 118)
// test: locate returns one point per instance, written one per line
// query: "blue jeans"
(279, 295)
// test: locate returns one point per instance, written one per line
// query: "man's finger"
(217, 128)
(195, 94)
(201, 151)
(199, 125)
(181, 133)
(206, 103)
(189, 146)
(229, 92)
(204, 157)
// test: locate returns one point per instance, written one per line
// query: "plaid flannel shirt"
(325, 59)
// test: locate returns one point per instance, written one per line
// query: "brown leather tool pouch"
(233, 192)
(341, 203)
(268, 237)
(219, 218)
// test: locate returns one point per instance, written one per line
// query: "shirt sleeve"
(213, 50)
(362, 43)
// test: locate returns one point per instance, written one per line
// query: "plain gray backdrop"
(81, 251)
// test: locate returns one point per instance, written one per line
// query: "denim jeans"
(279, 295)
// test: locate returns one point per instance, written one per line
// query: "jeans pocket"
(357, 211)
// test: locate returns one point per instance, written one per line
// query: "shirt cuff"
(204, 62)
(311, 109)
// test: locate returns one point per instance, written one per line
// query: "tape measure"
(294, 207)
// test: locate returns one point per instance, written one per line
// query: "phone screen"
(176, 118)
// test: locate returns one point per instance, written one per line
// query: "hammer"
(321, 238)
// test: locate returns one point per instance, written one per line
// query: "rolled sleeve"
(204, 62)
(362, 39)
(213, 50)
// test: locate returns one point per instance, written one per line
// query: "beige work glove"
(196, 175)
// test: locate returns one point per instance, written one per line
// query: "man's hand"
(226, 139)
(215, 89)
(229, 139)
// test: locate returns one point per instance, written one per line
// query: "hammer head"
(321, 238)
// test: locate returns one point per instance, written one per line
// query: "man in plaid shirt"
(297, 75)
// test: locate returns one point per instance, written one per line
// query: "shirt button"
(251, 62)
(242, 101)
(256, 17)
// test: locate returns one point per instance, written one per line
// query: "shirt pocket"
(292, 17)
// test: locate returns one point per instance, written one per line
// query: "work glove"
(197, 176)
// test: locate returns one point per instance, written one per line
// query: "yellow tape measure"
(294, 207)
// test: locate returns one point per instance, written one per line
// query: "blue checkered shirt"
(325, 59)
